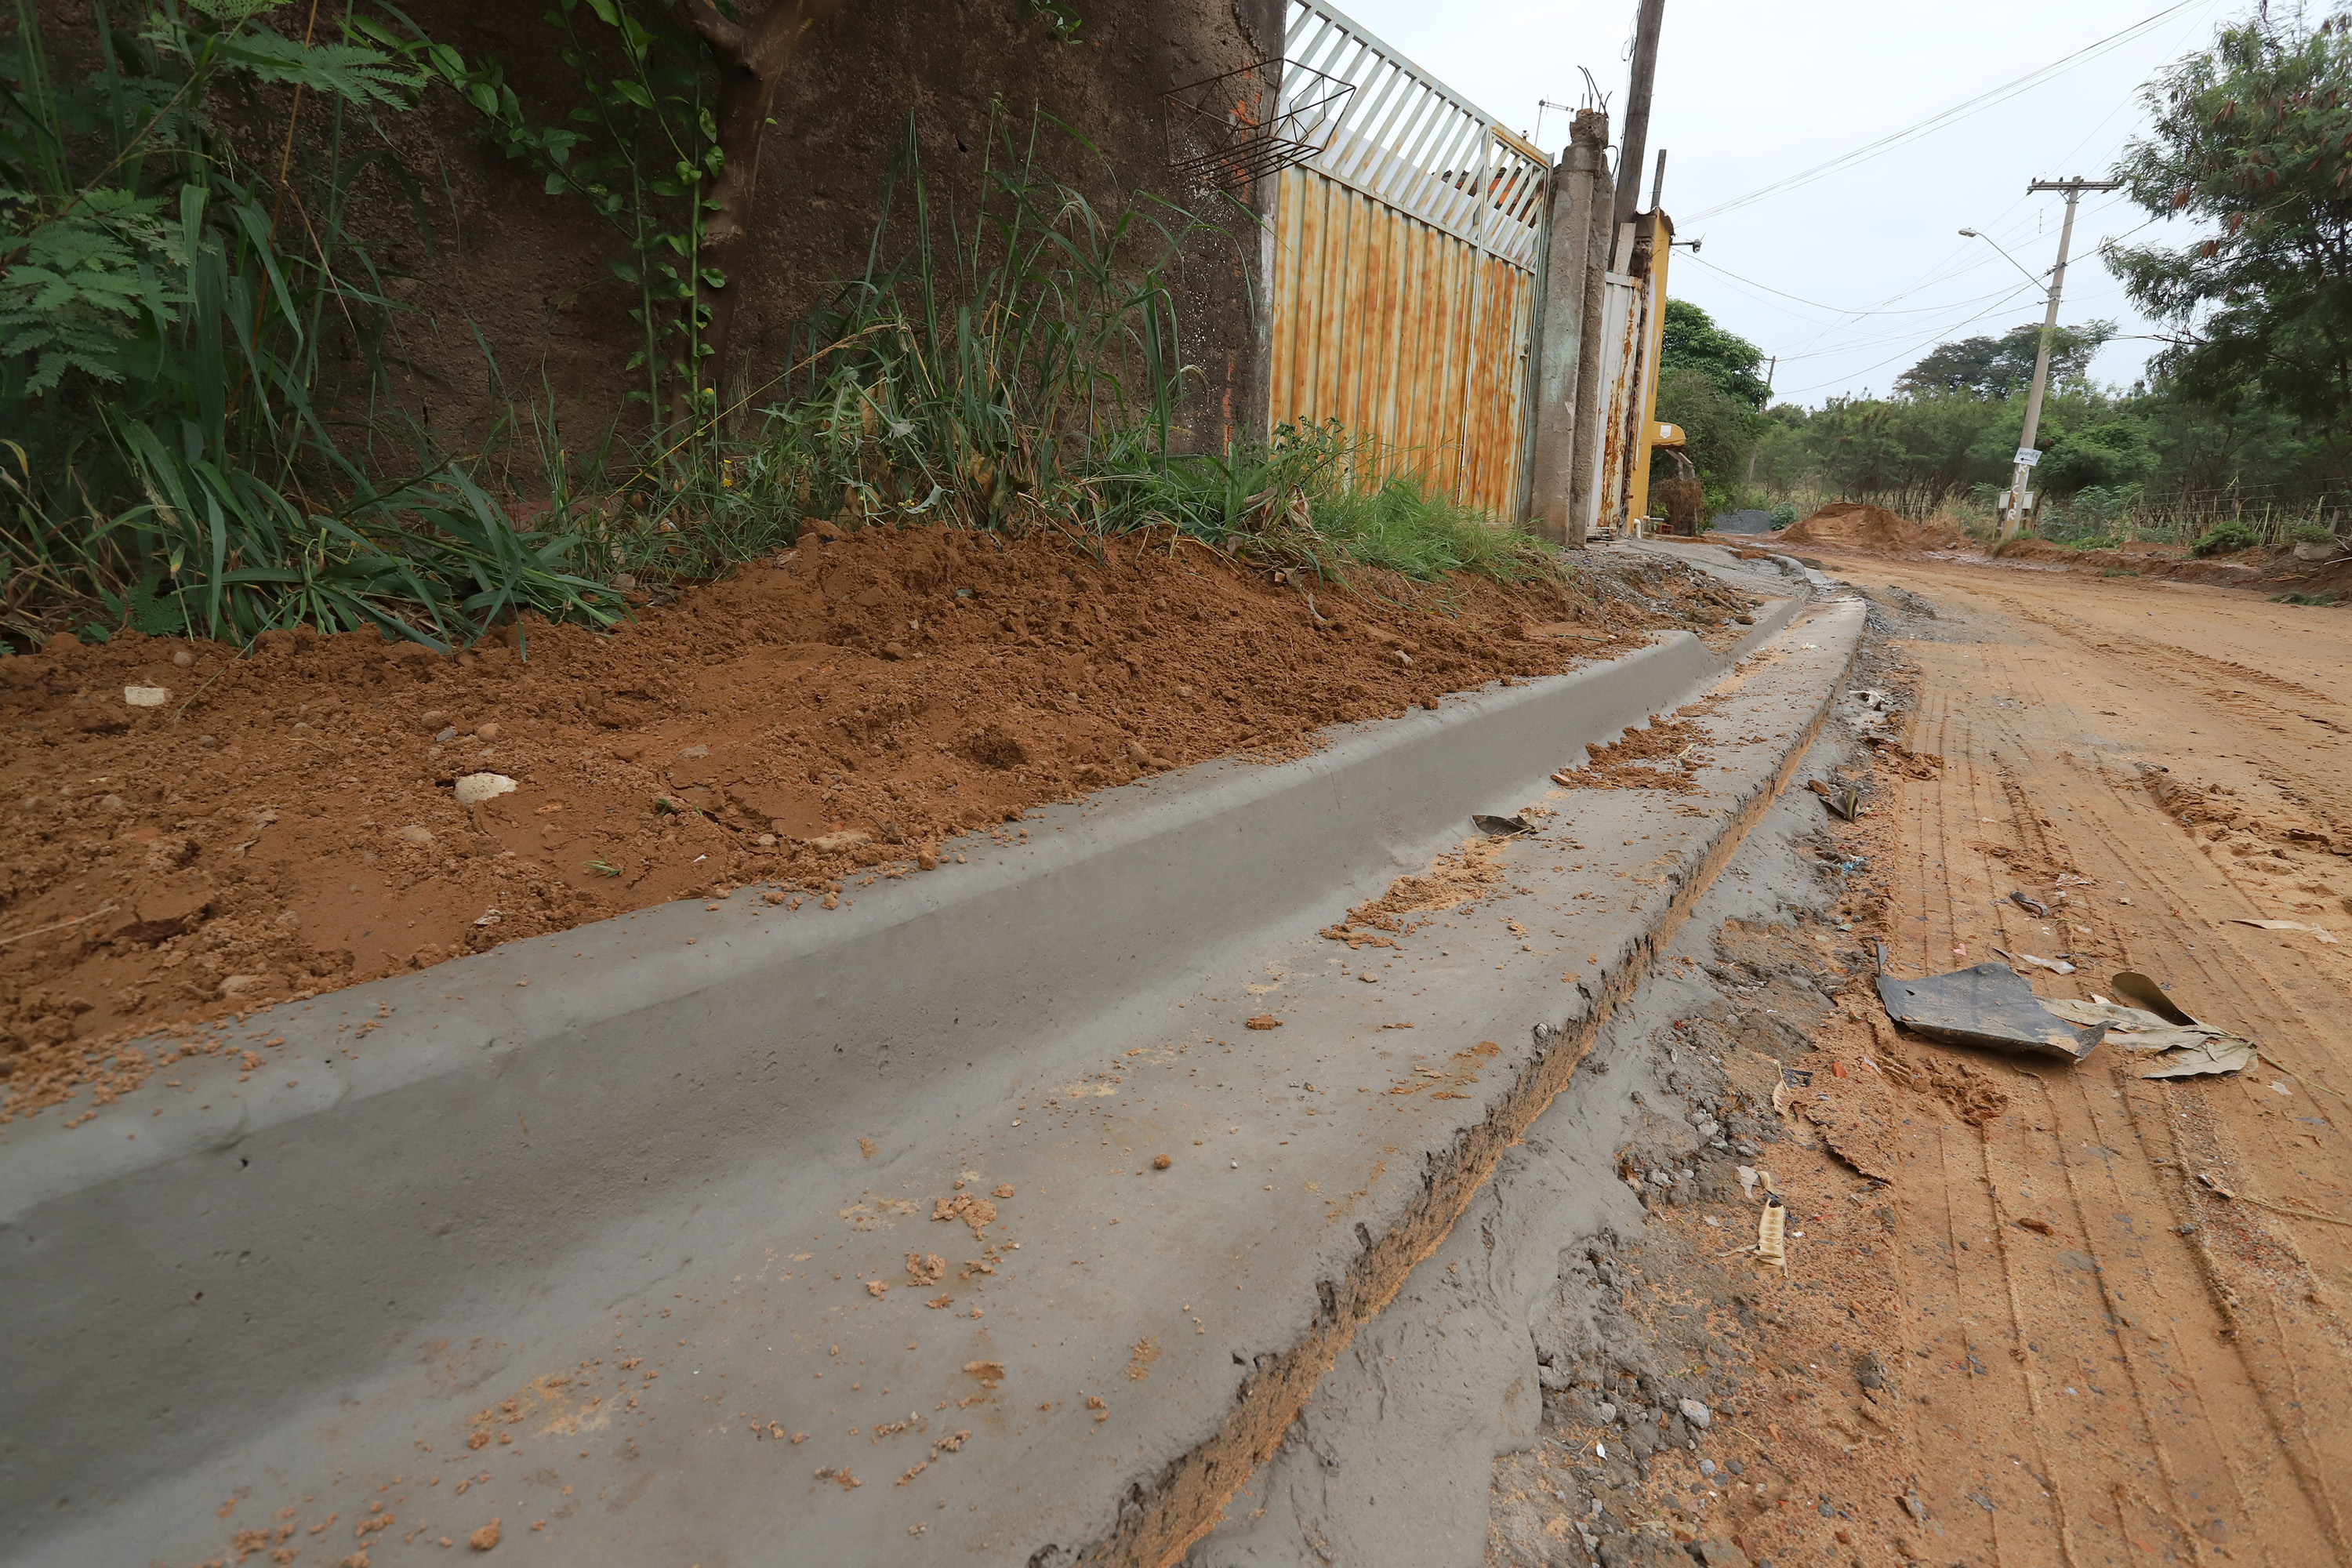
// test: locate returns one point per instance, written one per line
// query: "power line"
(1984, 101)
(1841, 312)
(1942, 271)
(1918, 343)
(1804, 349)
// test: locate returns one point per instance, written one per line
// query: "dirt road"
(2109, 1360)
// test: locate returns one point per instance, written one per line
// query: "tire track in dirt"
(2207, 1363)
(2108, 1232)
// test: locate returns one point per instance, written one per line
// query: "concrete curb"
(173, 1292)
(1162, 1523)
(1460, 1368)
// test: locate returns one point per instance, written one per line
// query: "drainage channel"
(1498, 1334)
(733, 1227)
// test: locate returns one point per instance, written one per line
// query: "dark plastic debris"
(1989, 1006)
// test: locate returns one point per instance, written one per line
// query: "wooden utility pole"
(1631, 152)
(2021, 475)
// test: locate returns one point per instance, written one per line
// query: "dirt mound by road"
(1859, 526)
(2268, 570)
(286, 824)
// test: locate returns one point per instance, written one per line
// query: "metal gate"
(1633, 325)
(1404, 266)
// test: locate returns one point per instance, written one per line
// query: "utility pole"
(1770, 366)
(2014, 523)
(1631, 151)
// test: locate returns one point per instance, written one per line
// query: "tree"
(1997, 367)
(2252, 138)
(1691, 340)
(1720, 431)
(2110, 454)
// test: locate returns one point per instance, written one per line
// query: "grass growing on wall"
(166, 309)
(198, 436)
(1007, 360)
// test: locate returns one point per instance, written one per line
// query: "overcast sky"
(1748, 94)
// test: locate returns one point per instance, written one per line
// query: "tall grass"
(169, 314)
(201, 439)
(2099, 517)
(1007, 360)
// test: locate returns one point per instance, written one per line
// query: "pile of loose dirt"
(1661, 754)
(1452, 879)
(1859, 526)
(277, 826)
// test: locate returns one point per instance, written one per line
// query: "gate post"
(1584, 472)
(1561, 404)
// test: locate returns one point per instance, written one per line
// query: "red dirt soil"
(1861, 530)
(285, 824)
(2269, 570)
(1857, 525)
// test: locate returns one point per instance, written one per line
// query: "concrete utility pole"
(1631, 152)
(1770, 366)
(2013, 523)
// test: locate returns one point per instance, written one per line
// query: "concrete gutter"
(1393, 1463)
(629, 1142)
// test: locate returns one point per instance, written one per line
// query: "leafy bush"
(2310, 533)
(2225, 539)
(2106, 457)
(163, 336)
(1784, 515)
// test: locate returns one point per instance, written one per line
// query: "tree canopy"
(2253, 140)
(1691, 340)
(1997, 367)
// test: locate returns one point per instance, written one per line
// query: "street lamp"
(2031, 278)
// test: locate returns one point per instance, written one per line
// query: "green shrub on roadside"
(172, 352)
(2310, 533)
(2225, 539)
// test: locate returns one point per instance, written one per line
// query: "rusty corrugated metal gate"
(1404, 266)
(1632, 323)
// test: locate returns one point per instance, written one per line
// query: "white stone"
(146, 696)
(475, 788)
(1697, 1414)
